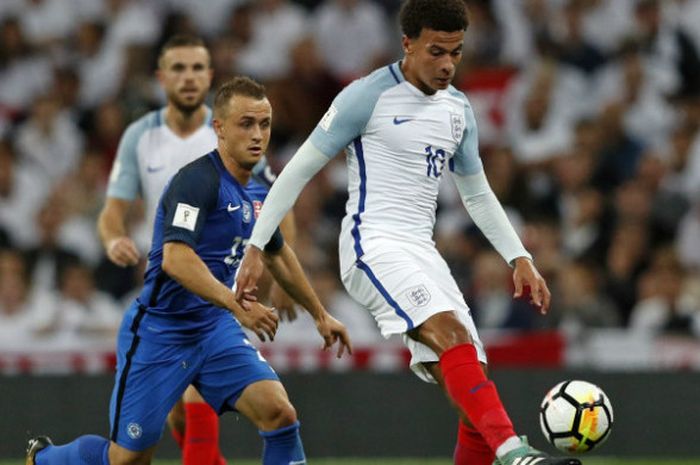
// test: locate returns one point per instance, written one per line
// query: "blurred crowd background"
(588, 112)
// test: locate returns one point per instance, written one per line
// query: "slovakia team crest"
(257, 206)
(457, 122)
(247, 212)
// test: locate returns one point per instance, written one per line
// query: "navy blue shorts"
(152, 376)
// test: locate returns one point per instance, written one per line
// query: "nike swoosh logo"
(398, 121)
(154, 169)
(231, 208)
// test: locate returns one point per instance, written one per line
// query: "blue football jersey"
(204, 207)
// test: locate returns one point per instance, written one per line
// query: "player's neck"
(407, 70)
(184, 123)
(239, 173)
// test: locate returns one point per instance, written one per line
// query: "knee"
(176, 417)
(121, 456)
(277, 415)
(443, 331)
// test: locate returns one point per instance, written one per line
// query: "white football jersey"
(150, 153)
(399, 142)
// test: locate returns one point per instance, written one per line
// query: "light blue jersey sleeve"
(125, 179)
(349, 113)
(466, 159)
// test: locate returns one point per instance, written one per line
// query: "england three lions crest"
(457, 123)
(418, 295)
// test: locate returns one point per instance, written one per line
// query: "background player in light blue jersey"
(181, 329)
(151, 151)
(402, 127)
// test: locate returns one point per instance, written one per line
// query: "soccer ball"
(576, 416)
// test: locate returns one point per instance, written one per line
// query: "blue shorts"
(152, 376)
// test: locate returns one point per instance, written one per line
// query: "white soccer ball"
(576, 416)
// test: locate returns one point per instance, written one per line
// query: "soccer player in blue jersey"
(185, 326)
(151, 151)
(404, 128)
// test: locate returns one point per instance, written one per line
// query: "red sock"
(178, 437)
(471, 449)
(201, 435)
(469, 388)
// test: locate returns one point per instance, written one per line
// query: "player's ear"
(159, 76)
(218, 128)
(406, 45)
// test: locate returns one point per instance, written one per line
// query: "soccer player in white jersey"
(403, 127)
(150, 152)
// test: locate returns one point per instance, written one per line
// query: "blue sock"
(86, 450)
(283, 446)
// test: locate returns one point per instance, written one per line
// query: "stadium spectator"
(49, 141)
(24, 71)
(22, 194)
(582, 304)
(284, 20)
(665, 304)
(351, 36)
(19, 320)
(491, 296)
(78, 314)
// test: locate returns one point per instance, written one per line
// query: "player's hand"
(249, 272)
(283, 303)
(332, 331)
(248, 299)
(527, 279)
(122, 251)
(260, 319)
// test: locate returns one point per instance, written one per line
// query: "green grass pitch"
(406, 461)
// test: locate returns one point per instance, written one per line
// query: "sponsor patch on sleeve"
(185, 216)
(328, 118)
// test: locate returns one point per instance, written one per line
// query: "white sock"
(508, 445)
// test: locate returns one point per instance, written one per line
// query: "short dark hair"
(180, 40)
(239, 85)
(438, 15)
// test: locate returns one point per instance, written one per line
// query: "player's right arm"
(111, 225)
(287, 270)
(124, 186)
(186, 203)
(344, 121)
(183, 264)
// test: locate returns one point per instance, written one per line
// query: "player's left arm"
(283, 302)
(280, 300)
(488, 214)
(287, 271)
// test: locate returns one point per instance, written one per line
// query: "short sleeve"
(466, 159)
(189, 198)
(125, 179)
(350, 111)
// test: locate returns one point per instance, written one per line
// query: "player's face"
(185, 74)
(244, 132)
(432, 58)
